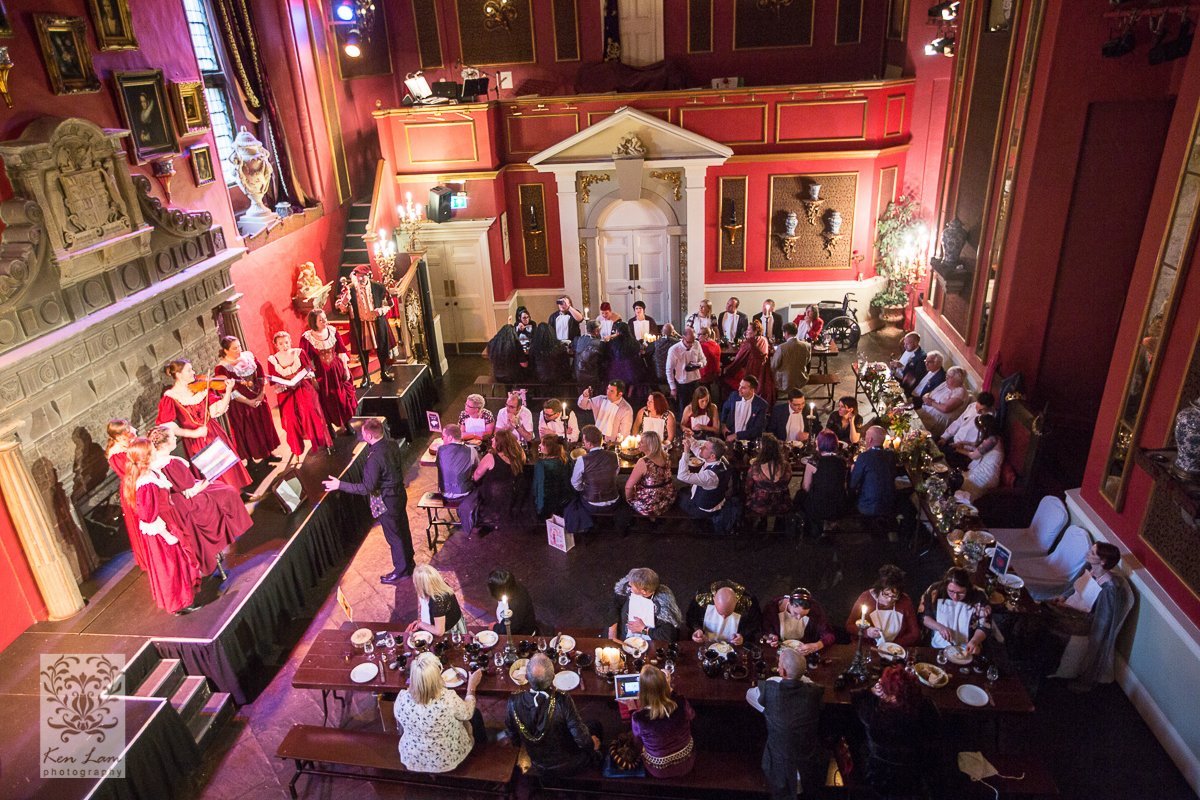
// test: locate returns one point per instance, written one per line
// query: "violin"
(203, 383)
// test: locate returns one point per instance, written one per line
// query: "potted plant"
(900, 242)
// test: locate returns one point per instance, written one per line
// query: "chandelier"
(500, 14)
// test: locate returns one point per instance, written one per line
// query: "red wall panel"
(527, 135)
(821, 121)
(727, 124)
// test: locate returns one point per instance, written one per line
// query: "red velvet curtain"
(237, 31)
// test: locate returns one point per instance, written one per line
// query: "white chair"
(1051, 575)
(1038, 539)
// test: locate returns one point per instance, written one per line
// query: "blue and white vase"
(789, 224)
(1187, 437)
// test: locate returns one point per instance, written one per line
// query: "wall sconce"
(533, 227)
(941, 46)
(164, 170)
(412, 217)
(729, 221)
(500, 14)
(352, 46)
(812, 203)
(945, 11)
(6, 65)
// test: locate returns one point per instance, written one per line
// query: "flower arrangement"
(901, 240)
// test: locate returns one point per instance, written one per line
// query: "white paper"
(215, 459)
(1084, 596)
(476, 426)
(641, 608)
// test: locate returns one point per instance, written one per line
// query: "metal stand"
(510, 652)
(857, 671)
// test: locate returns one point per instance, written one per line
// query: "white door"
(641, 31)
(634, 266)
(456, 276)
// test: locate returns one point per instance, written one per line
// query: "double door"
(634, 266)
(456, 277)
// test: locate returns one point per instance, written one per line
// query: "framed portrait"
(202, 164)
(191, 107)
(143, 98)
(64, 49)
(114, 25)
(5, 22)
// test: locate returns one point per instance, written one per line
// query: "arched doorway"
(635, 258)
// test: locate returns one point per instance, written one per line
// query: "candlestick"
(510, 653)
(864, 613)
(857, 671)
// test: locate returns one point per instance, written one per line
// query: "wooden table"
(327, 665)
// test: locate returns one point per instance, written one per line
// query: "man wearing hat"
(367, 304)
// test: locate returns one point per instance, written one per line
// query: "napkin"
(978, 768)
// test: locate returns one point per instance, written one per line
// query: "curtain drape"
(612, 31)
(237, 31)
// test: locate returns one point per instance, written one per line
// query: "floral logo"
(83, 719)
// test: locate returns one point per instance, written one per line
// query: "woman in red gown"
(330, 360)
(173, 572)
(120, 434)
(213, 513)
(193, 415)
(249, 414)
(299, 405)
(751, 359)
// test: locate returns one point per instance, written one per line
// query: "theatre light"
(941, 46)
(352, 47)
(343, 11)
(945, 11)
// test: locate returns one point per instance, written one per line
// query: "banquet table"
(327, 666)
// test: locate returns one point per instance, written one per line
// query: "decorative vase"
(814, 191)
(892, 315)
(833, 221)
(1187, 438)
(789, 225)
(252, 167)
(954, 238)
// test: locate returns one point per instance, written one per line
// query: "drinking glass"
(564, 659)
(669, 668)
(456, 638)
(498, 659)
(942, 658)
(389, 640)
(542, 644)
(993, 674)
(369, 647)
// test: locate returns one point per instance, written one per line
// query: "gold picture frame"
(143, 100)
(63, 41)
(6, 29)
(114, 24)
(191, 107)
(200, 157)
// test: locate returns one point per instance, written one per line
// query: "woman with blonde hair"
(499, 482)
(650, 489)
(439, 727)
(662, 724)
(438, 610)
(120, 434)
(173, 571)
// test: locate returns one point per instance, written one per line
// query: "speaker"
(438, 209)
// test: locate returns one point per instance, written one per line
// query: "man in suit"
(910, 364)
(934, 376)
(791, 706)
(772, 322)
(565, 320)
(791, 421)
(790, 361)
(744, 415)
(383, 483)
(732, 323)
(873, 478)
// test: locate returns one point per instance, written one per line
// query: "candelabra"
(385, 257)
(857, 671)
(510, 652)
(412, 217)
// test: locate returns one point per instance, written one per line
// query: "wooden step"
(163, 680)
(192, 694)
(216, 711)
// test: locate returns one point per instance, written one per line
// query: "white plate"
(636, 646)
(454, 676)
(517, 671)
(566, 681)
(791, 644)
(892, 651)
(957, 656)
(487, 639)
(418, 638)
(1012, 581)
(932, 675)
(568, 643)
(364, 672)
(724, 648)
(972, 695)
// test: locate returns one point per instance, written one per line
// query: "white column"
(50, 569)
(568, 223)
(696, 236)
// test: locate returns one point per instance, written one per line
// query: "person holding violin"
(120, 434)
(192, 407)
(331, 366)
(299, 405)
(249, 414)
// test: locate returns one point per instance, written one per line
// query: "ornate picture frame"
(63, 41)
(143, 100)
(191, 107)
(114, 24)
(200, 157)
(6, 29)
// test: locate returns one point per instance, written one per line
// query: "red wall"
(822, 61)
(19, 596)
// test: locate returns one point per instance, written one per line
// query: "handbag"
(377, 505)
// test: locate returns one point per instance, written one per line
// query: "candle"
(408, 198)
(585, 312)
(864, 612)
(564, 412)
(503, 611)
(811, 408)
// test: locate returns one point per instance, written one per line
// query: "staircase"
(354, 253)
(202, 710)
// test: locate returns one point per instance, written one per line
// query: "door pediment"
(661, 139)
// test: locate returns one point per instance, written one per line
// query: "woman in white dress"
(439, 727)
(656, 417)
(941, 406)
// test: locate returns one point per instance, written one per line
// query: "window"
(216, 84)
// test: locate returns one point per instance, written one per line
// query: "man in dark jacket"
(666, 340)
(792, 708)
(383, 483)
(724, 613)
(873, 478)
(590, 355)
(546, 721)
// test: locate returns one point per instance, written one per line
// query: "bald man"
(791, 705)
(724, 613)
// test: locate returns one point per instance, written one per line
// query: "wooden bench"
(434, 504)
(824, 383)
(374, 756)
(724, 775)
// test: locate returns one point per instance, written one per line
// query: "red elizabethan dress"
(253, 426)
(334, 385)
(137, 542)
(173, 571)
(299, 405)
(195, 416)
(212, 519)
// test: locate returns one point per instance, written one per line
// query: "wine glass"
(456, 638)
(993, 673)
(542, 644)
(498, 659)
(389, 640)
(669, 668)
(564, 659)
(942, 658)
(368, 647)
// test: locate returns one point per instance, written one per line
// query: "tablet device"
(627, 686)
(1001, 558)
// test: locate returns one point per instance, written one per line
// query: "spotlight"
(352, 47)
(344, 11)
(1122, 43)
(945, 11)
(941, 46)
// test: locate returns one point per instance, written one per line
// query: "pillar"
(36, 532)
(228, 321)
(695, 254)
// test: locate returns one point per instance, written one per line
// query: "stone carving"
(1187, 438)
(585, 184)
(19, 245)
(673, 177)
(175, 221)
(309, 288)
(252, 167)
(630, 147)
